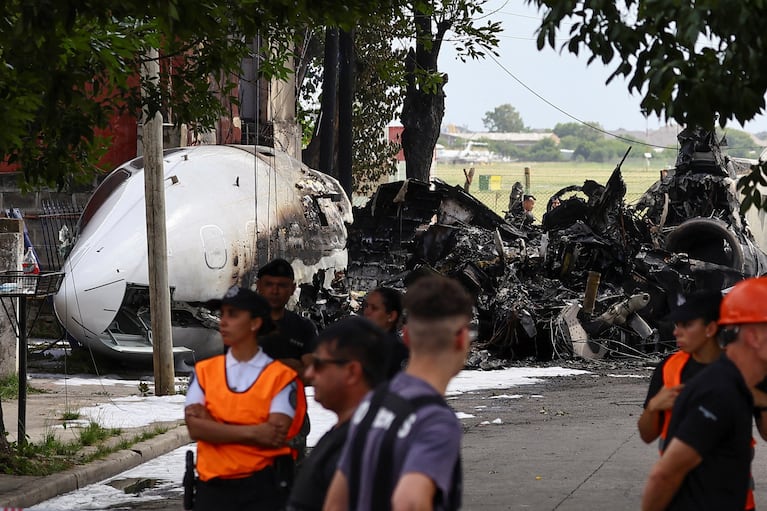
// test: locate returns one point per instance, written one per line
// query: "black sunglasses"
(318, 363)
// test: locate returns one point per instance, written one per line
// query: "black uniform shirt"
(713, 416)
(316, 472)
(292, 338)
(399, 354)
(690, 369)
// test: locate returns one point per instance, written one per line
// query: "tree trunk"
(422, 115)
(4, 446)
(329, 108)
(345, 109)
(424, 106)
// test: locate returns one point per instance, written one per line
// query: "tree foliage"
(66, 68)
(380, 78)
(504, 119)
(429, 22)
(544, 150)
(377, 99)
(686, 58)
(578, 130)
(694, 61)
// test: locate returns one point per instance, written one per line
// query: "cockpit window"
(102, 193)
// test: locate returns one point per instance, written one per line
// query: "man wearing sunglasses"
(345, 366)
(404, 442)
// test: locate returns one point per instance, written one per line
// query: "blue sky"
(563, 80)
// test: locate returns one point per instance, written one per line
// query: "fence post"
(527, 180)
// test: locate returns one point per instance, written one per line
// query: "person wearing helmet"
(707, 460)
(695, 328)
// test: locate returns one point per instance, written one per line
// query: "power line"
(596, 128)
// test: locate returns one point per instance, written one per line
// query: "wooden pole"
(157, 250)
(469, 178)
(21, 322)
(527, 180)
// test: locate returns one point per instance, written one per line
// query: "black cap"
(698, 304)
(244, 299)
(526, 197)
(276, 268)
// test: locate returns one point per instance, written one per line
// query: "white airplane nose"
(87, 303)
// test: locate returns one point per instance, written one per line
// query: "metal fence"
(498, 201)
(57, 223)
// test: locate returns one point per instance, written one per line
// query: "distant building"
(394, 133)
(525, 139)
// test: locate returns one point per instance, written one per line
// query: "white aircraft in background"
(229, 210)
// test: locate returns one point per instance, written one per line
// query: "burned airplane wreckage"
(228, 210)
(597, 277)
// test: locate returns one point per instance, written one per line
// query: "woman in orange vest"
(242, 408)
(695, 328)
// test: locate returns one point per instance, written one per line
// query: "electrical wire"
(595, 128)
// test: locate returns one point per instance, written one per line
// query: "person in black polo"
(291, 342)
(345, 366)
(707, 462)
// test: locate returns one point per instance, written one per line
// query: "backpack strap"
(402, 409)
(358, 442)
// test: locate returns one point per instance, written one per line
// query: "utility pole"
(157, 245)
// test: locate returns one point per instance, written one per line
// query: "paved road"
(568, 444)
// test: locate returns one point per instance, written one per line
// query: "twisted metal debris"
(685, 233)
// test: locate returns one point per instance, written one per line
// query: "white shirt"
(240, 376)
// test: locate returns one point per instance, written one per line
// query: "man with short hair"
(291, 342)
(707, 462)
(522, 212)
(345, 366)
(403, 448)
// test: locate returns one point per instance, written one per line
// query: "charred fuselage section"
(229, 210)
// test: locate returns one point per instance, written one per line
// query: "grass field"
(546, 178)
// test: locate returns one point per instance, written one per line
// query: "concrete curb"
(40, 489)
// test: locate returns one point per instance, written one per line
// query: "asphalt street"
(567, 443)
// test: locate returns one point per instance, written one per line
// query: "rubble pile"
(596, 278)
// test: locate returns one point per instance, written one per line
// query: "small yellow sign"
(495, 183)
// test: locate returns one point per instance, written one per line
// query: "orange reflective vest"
(672, 376)
(232, 461)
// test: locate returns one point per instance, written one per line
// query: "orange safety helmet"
(745, 303)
